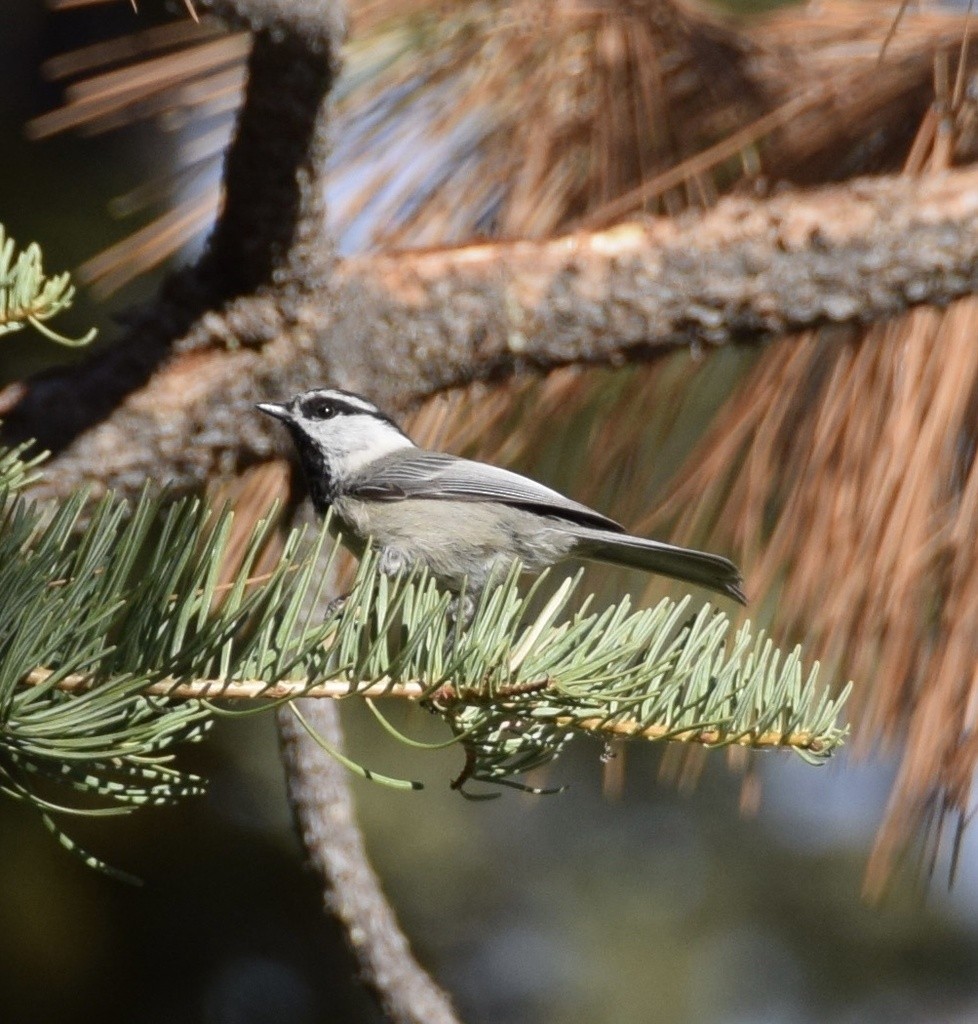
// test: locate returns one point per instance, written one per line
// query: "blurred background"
(654, 903)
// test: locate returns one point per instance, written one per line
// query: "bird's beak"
(280, 412)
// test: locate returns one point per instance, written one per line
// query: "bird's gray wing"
(415, 473)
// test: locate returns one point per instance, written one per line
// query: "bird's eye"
(320, 409)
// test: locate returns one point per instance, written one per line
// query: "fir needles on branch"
(116, 638)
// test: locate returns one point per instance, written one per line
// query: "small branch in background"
(272, 232)
(326, 818)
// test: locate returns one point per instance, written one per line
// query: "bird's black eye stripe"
(319, 408)
(327, 405)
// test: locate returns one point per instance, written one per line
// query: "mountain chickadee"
(465, 521)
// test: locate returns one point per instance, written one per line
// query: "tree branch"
(745, 270)
(327, 823)
(338, 689)
(272, 235)
(405, 325)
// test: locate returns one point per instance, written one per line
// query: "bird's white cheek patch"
(354, 461)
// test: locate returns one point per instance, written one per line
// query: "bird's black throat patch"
(316, 469)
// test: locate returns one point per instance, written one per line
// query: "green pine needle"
(102, 624)
(27, 297)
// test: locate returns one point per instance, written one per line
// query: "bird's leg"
(392, 562)
(461, 610)
(334, 606)
(460, 613)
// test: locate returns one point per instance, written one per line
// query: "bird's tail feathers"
(699, 567)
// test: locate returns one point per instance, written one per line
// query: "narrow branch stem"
(252, 689)
(246, 689)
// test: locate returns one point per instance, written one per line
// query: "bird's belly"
(455, 540)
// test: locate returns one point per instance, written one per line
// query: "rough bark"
(272, 236)
(746, 270)
(404, 325)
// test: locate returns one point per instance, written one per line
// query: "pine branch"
(337, 689)
(28, 297)
(117, 637)
(130, 599)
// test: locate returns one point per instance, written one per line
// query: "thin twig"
(336, 689)
(245, 689)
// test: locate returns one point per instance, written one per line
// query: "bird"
(466, 522)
